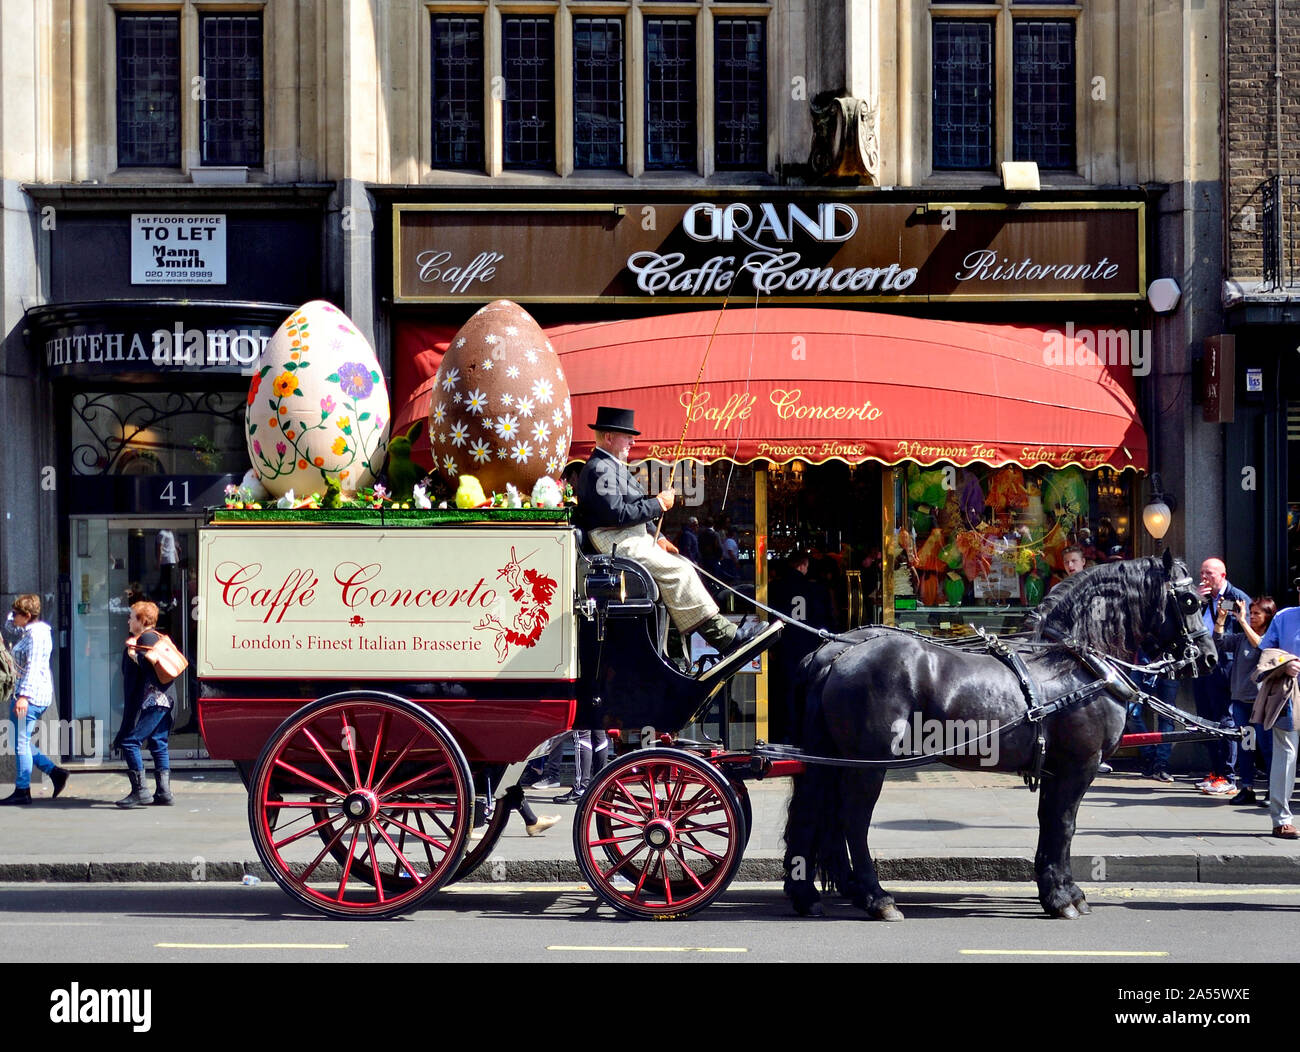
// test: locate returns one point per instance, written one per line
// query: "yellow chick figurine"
(469, 494)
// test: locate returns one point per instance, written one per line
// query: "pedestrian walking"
(1275, 710)
(33, 693)
(147, 717)
(1213, 692)
(1244, 648)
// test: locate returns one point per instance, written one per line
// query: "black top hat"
(611, 419)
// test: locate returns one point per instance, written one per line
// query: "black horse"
(873, 695)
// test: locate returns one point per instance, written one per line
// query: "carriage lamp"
(605, 582)
(1158, 514)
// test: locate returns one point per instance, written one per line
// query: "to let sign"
(178, 249)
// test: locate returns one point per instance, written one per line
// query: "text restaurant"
(873, 408)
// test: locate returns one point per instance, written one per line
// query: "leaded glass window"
(740, 93)
(148, 91)
(963, 94)
(528, 62)
(598, 103)
(1044, 92)
(670, 93)
(230, 106)
(458, 92)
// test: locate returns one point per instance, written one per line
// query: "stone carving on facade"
(845, 143)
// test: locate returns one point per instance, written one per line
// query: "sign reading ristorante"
(785, 249)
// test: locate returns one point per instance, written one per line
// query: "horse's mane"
(1103, 606)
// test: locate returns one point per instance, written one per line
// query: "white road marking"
(1065, 953)
(650, 949)
(250, 945)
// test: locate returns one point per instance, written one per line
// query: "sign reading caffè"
(781, 249)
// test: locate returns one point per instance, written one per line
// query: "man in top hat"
(614, 510)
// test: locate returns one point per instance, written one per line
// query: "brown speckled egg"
(500, 409)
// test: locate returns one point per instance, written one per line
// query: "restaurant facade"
(933, 398)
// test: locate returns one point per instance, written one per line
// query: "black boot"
(138, 796)
(18, 796)
(59, 778)
(718, 632)
(162, 792)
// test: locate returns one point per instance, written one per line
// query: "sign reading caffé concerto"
(781, 248)
(295, 602)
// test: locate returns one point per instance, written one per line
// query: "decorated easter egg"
(317, 406)
(500, 409)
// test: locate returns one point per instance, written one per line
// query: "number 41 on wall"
(170, 495)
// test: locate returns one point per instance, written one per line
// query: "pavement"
(930, 824)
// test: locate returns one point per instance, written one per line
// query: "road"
(563, 923)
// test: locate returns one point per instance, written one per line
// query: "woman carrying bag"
(147, 715)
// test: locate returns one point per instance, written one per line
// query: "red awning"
(821, 384)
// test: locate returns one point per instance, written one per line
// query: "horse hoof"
(887, 913)
(1082, 906)
(1066, 912)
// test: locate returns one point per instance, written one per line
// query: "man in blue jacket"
(616, 511)
(1213, 692)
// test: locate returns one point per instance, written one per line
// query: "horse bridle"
(1183, 602)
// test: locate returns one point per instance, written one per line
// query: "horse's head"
(1118, 607)
(1176, 626)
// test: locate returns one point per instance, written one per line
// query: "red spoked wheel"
(382, 783)
(480, 850)
(659, 834)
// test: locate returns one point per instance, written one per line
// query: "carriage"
(376, 676)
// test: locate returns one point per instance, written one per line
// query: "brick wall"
(1250, 122)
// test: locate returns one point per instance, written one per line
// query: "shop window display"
(981, 546)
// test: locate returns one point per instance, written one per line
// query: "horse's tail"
(815, 848)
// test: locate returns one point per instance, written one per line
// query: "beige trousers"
(680, 586)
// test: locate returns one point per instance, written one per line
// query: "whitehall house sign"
(783, 249)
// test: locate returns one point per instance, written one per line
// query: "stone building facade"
(337, 113)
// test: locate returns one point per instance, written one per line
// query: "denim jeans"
(24, 753)
(1246, 757)
(1214, 703)
(151, 727)
(1154, 757)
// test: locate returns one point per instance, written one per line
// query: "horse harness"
(1111, 679)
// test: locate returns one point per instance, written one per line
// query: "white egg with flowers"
(317, 406)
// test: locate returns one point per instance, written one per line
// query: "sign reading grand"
(783, 248)
(178, 249)
(297, 602)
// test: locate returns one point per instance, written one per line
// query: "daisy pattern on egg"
(543, 391)
(557, 418)
(487, 364)
(525, 406)
(512, 372)
(511, 330)
(507, 426)
(449, 381)
(439, 413)
(553, 465)
(476, 402)
(481, 452)
(521, 452)
(459, 343)
(459, 434)
(541, 431)
(449, 465)
(490, 339)
(530, 357)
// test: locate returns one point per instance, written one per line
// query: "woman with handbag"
(147, 717)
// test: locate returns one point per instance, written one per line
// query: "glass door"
(116, 562)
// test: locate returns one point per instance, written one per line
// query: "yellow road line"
(250, 945)
(1065, 953)
(651, 949)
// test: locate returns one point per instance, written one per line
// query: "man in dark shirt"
(615, 510)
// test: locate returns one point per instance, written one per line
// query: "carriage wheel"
(659, 834)
(386, 788)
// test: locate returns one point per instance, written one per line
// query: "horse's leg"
(860, 790)
(802, 834)
(1060, 793)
